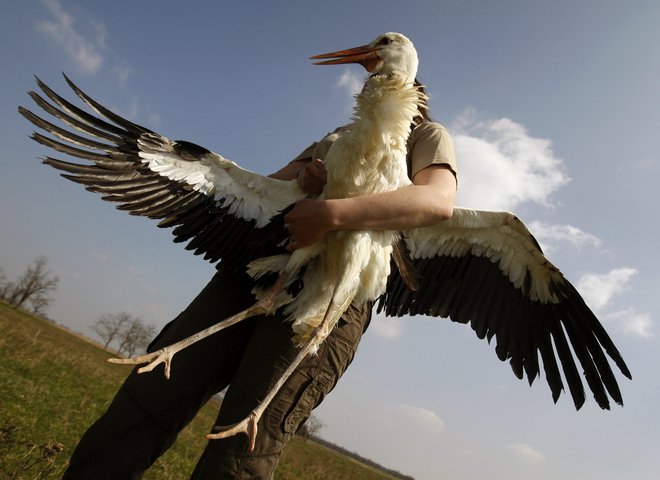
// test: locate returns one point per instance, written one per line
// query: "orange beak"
(365, 55)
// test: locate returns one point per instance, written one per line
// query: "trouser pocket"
(310, 398)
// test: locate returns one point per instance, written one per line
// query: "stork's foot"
(247, 426)
(164, 355)
(267, 304)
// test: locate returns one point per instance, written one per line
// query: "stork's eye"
(384, 41)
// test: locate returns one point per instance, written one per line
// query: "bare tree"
(135, 336)
(111, 325)
(310, 428)
(127, 331)
(34, 286)
(4, 284)
(39, 304)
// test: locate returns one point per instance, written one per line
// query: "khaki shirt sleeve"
(318, 150)
(430, 144)
(308, 153)
(324, 145)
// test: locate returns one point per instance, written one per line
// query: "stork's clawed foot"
(164, 355)
(247, 426)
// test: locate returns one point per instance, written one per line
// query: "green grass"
(55, 384)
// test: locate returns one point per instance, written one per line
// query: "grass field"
(54, 384)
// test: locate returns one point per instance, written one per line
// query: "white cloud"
(502, 166)
(351, 82)
(526, 453)
(83, 51)
(100, 256)
(386, 327)
(549, 235)
(101, 33)
(647, 163)
(130, 112)
(148, 287)
(123, 73)
(155, 120)
(598, 290)
(422, 417)
(634, 323)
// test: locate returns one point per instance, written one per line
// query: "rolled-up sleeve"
(430, 144)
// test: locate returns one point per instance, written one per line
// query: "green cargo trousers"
(148, 412)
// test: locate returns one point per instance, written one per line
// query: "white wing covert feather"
(246, 194)
(498, 236)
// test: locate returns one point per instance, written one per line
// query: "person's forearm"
(408, 207)
(430, 200)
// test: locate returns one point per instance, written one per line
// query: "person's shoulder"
(429, 131)
(430, 127)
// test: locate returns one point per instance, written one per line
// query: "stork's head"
(387, 54)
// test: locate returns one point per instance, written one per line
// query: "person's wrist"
(333, 214)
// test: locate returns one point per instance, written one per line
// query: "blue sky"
(553, 107)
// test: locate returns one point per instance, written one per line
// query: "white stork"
(479, 267)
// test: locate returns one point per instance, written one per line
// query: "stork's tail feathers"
(332, 314)
(262, 266)
(303, 326)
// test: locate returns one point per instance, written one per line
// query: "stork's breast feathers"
(390, 98)
(369, 156)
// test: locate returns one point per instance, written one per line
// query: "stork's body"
(368, 157)
(345, 266)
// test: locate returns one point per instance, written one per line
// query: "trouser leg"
(148, 411)
(268, 353)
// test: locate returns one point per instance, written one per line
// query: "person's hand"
(308, 222)
(312, 177)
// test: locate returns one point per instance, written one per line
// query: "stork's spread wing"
(487, 269)
(213, 203)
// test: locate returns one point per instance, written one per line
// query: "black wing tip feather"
(566, 369)
(119, 176)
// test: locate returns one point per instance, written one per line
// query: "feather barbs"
(498, 236)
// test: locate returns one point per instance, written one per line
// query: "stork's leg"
(267, 304)
(249, 424)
